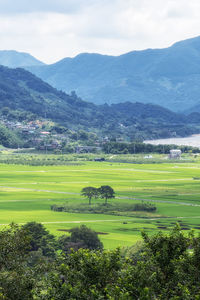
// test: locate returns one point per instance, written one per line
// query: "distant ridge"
(168, 77)
(22, 92)
(15, 59)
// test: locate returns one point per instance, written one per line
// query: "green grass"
(27, 192)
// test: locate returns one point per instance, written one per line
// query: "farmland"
(27, 193)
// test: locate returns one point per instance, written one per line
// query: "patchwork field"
(27, 192)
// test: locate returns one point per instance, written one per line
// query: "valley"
(99, 150)
(28, 192)
(65, 144)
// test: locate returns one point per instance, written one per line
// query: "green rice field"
(27, 193)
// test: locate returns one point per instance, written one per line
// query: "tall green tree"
(81, 237)
(16, 278)
(90, 192)
(106, 192)
(40, 238)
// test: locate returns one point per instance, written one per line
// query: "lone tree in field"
(106, 192)
(81, 237)
(90, 192)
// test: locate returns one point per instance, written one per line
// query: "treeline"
(9, 138)
(34, 265)
(36, 162)
(134, 148)
(111, 209)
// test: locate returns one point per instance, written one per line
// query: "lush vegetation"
(81, 237)
(133, 148)
(58, 260)
(8, 138)
(36, 265)
(110, 209)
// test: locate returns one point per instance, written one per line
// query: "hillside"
(168, 77)
(15, 59)
(22, 91)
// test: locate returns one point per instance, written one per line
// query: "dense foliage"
(8, 138)
(110, 208)
(164, 266)
(40, 239)
(81, 237)
(134, 148)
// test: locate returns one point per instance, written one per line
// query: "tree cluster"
(81, 237)
(105, 192)
(164, 266)
(137, 147)
(29, 254)
(9, 138)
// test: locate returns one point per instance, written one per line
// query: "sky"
(53, 29)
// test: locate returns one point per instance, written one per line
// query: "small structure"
(45, 132)
(87, 149)
(175, 154)
(99, 159)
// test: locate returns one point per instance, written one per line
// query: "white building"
(175, 153)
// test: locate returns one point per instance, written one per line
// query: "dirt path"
(78, 222)
(160, 201)
(38, 190)
(97, 221)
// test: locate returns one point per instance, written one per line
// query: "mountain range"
(169, 77)
(21, 91)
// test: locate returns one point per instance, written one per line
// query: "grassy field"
(27, 192)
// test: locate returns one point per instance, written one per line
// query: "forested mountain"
(22, 91)
(168, 77)
(15, 59)
(193, 110)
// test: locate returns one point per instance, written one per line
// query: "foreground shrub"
(164, 266)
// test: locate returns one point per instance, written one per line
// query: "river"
(193, 140)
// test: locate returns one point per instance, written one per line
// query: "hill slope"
(169, 77)
(15, 59)
(21, 90)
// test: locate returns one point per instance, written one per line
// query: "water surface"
(193, 140)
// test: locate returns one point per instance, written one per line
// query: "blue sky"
(53, 29)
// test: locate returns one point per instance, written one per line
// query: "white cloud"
(58, 6)
(51, 30)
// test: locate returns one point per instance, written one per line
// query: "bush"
(105, 209)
